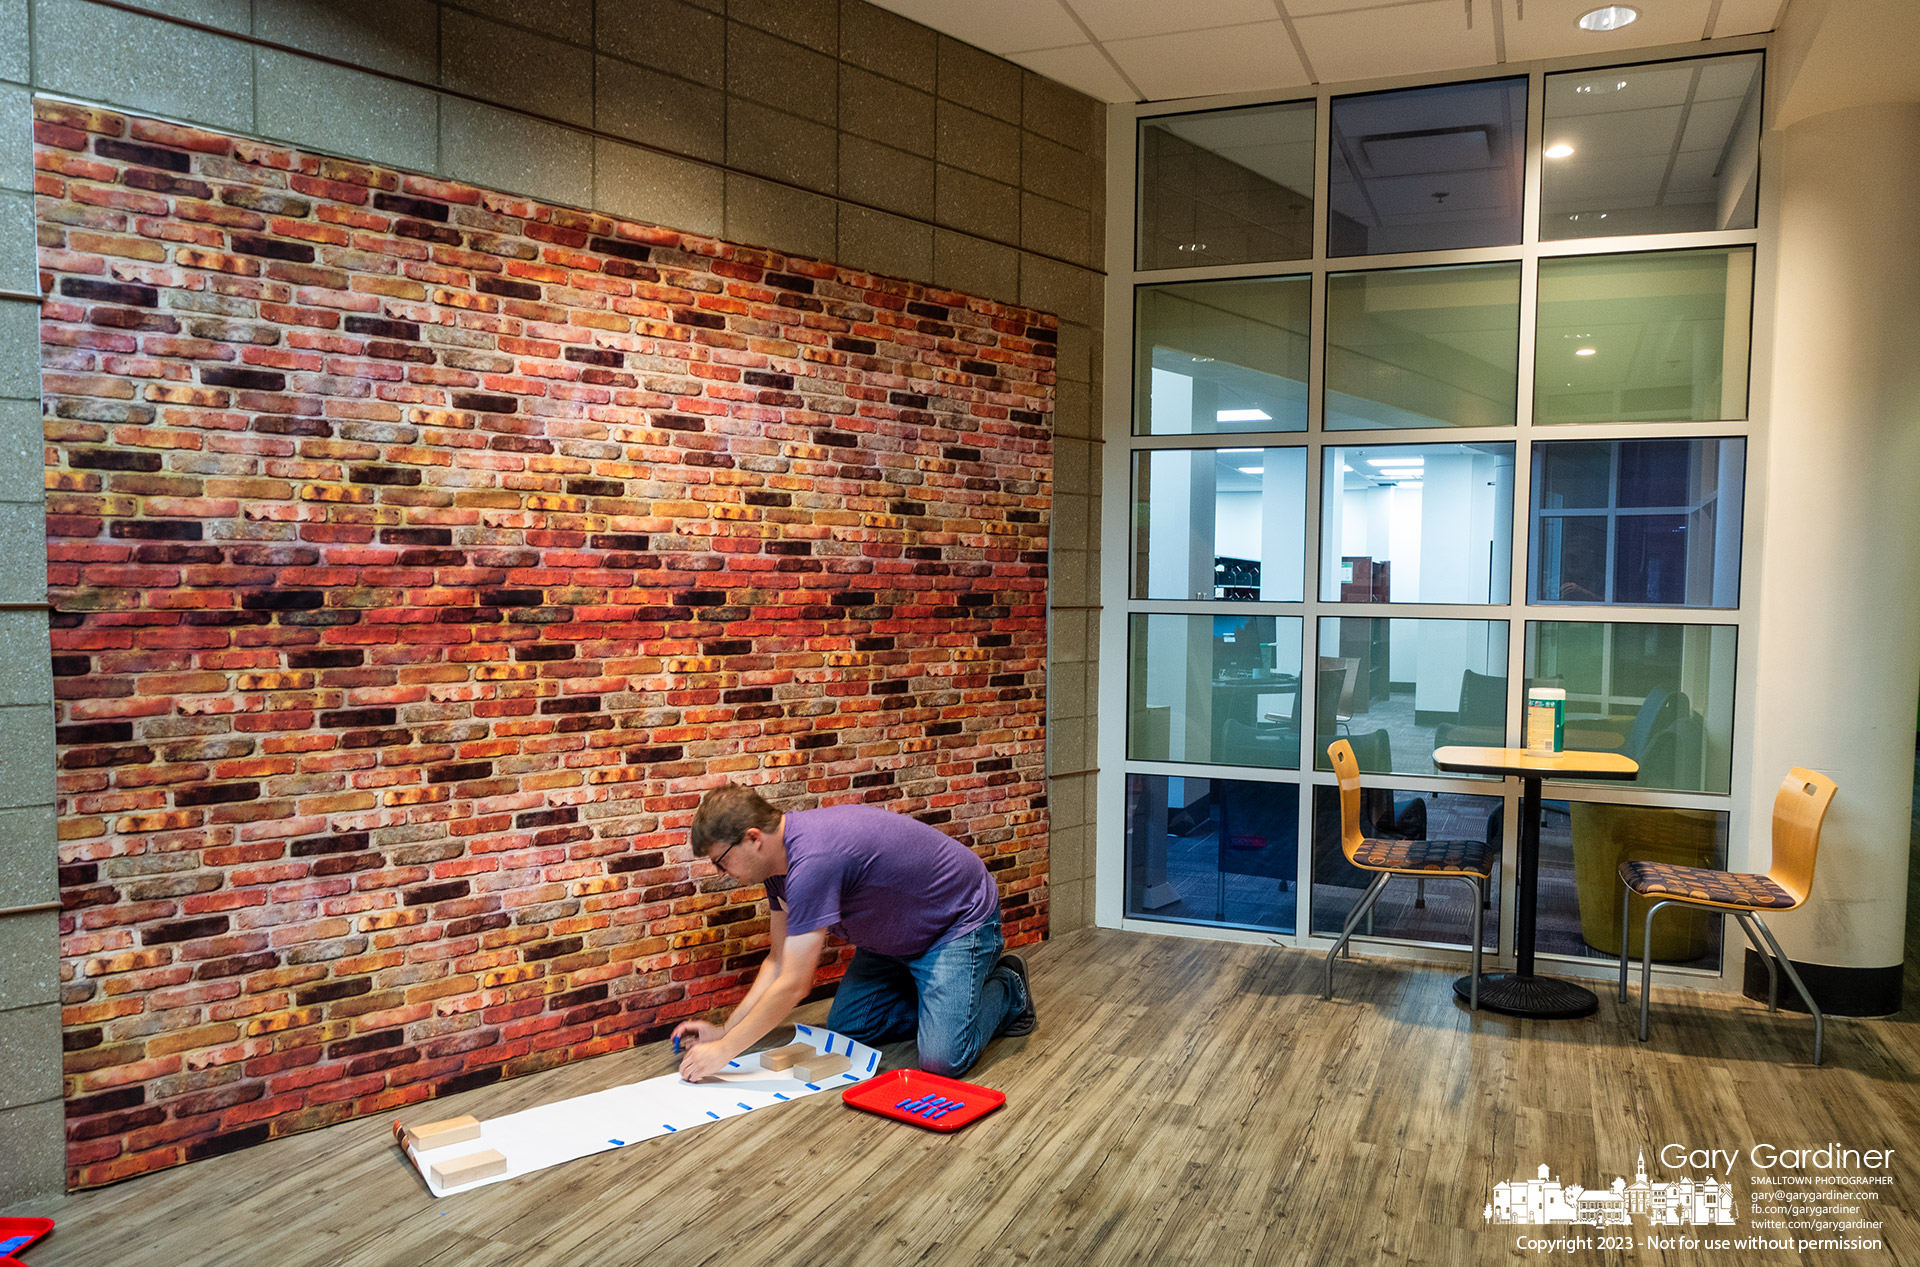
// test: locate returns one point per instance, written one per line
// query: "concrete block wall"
(31, 1113)
(419, 553)
(947, 166)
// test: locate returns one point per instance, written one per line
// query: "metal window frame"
(1120, 443)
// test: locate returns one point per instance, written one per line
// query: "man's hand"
(692, 1033)
(703, 1060)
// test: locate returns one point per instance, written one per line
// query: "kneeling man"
(919, 907)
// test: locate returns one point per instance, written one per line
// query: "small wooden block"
(455, 1171)
(454, 1130)
(821, 1067)
(786, 1057)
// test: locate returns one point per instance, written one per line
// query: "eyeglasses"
(718, 859)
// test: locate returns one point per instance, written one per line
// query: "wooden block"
(455, 1171)
(454, 1130)
(786, 1057)
(821, 1067)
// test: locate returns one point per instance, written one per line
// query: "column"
(1838, 655)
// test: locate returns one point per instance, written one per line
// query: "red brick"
(480, 620)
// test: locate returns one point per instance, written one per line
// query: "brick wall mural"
(419, 554)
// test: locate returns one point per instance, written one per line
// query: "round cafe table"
(1520, 993)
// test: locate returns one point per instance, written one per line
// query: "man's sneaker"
(1022, 1022)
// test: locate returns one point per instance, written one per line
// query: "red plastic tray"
(885, 1093)
(17, 1234)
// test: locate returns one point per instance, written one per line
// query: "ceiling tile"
(1078, 66)
(1747, 17)
(1314, 8)
(1196, 63)
(1551, 27)
(999, 26)
(1403, 40)
(1130, 19)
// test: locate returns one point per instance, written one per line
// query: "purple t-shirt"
(881, 880)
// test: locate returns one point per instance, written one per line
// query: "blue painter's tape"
(733, 1064)
(813, 1086)
(618, 1143)
(713, 1115)
(670, 1126)
(828, 1049)
(778, 1096)
(851, 1077)
(743, 1104)
(872, 1060)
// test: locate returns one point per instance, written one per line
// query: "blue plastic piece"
(12, 1243)
(670, 1126)
(778, 1096)
(743, 1104)
(618, 1143)
(713, 1115)
(676, 1044)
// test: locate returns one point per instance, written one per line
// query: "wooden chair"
(1469, 860)
(1798, 812)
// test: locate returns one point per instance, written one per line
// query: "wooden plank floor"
(1181, 1102)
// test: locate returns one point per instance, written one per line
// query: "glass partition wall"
(1436, 394)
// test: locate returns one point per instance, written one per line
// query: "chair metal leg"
(1646, 966)
(1479, 924)
(1420, 894)
(1819, 1021)
(1626, 914)
(1353, 921)
(1766, 957)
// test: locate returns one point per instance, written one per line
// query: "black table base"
(1516, 995)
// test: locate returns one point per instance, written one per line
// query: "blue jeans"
(950, 1000)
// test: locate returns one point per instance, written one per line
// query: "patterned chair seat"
(1432, 857)
(1734, 889)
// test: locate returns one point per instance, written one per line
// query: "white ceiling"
(1154, 50)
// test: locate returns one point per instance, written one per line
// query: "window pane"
(1221, 356)
(1227, 187)
(1644, 338)
(1417, 685)
(1669, 148)
(1667, 530)
(1423, 347)
(1417, 523)
(1213, 851)
(1661, 694)
(1215, 690)
(1581, 849)
(1220, 523)
(1440, 911)
(1426, 169)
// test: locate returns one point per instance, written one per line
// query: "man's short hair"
(726, 814)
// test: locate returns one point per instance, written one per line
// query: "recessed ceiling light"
(1562, 150)
(1243, 415)
(1608, 18)
(1583, 351)
(1252, 470)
